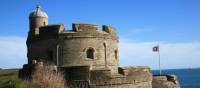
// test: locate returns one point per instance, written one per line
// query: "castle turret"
(37, 18)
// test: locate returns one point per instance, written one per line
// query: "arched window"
(90, 53)
(44, 23)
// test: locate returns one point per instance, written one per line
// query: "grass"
(9, 79)
(15, 84)
(8, 74)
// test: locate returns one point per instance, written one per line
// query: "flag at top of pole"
(156, 49)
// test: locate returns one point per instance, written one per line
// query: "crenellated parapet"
(110, 30)
(93, 27)
(92, 30)
(84, 27)
(51, 29)
(79, 30)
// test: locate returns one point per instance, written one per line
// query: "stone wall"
(165, 81)
(83, 77)
(42, 50)
(76, 72)
(133, 77)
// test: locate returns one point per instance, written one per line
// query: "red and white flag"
(155, 49)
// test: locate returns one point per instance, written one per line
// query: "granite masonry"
(88, 56)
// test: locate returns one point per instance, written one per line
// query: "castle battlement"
(79, 30)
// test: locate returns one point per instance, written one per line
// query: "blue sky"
(140, 25)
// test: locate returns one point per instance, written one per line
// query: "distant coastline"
(177, 68)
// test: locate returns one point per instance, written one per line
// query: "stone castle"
(87, 55)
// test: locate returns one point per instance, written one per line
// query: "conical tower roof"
(38, 13)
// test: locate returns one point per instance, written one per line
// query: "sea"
(188, 78)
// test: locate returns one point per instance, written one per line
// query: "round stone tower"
(87, 45)
(37, 18)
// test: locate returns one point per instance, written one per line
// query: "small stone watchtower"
(37, 19)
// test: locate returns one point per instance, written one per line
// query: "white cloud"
(12, 51)
(173, 55)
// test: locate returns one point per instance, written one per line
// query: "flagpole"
(159, 60)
